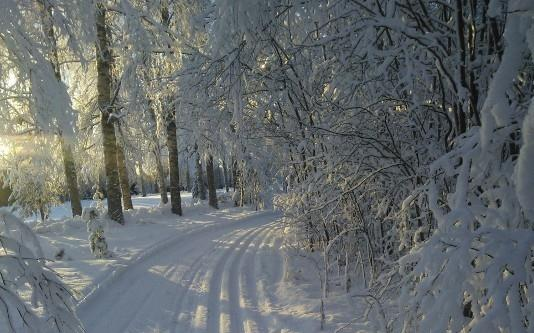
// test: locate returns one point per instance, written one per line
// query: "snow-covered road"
(219, 278)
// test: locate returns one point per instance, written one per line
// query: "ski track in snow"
(217, 279)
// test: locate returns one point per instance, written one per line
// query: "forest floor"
(224, 270)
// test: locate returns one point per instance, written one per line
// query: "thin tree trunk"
(161, 177)
(42, 213)
(239, 183)
(188, 176)
(71, 177)
(66, 148)
(234, 175)
(123, 177)
(174, 171)
(226, 178)
(199, 178)
(202, 186)
(162, 187)
(172, 146)
(212, 191)
(216, 178)
(103, 63)
(142, 179)
(241, 191)
(461, 125)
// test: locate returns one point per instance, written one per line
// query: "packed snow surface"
(209, 271)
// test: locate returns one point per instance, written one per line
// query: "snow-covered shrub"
(98, 200)
(33, 297)
(99, 247)
(95, 227)
(475, 272)
(33, 173)
(225, 197)
(252, 185)
(406, 142)
(236, 198)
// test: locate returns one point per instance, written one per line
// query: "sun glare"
(11, 79)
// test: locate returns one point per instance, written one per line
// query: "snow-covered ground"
(209, 271)
(63, 211)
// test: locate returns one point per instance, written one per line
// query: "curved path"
(216, 279)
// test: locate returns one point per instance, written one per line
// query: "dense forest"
(396, 137)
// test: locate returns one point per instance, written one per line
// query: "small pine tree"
(98, 199)
(99, 246)
(95, 227)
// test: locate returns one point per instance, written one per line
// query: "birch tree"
(107, 120)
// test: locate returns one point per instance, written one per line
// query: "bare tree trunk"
(66, 148)
(174, 171)
(212, 191)
(216, 178)
(103, 63)
(71, 177)
(142, 178)
(234, 174)
(461, 121)
(226, 178)
(42, 213)
(172, 146)
(199, 177)
(162, 187)
(239, 183)
(187, 176)
(123, 177)
(161, 176)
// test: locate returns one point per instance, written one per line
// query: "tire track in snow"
(137, 284)
(253, 322)
(129, 324)
(192, 277)
(217, 320)
(121, 323)
(155, 294)
(193, 267)
(232, 288)
(183, 282)
(198, 300)
(269, 273)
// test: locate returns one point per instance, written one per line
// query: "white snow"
(209, 271)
